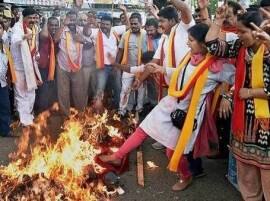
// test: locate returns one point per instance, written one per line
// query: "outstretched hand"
(203, 4)
(154, 68)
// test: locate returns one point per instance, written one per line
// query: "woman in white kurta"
(158, 124)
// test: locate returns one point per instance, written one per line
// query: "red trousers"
(137, 138)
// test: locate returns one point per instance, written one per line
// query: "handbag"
(178, 118)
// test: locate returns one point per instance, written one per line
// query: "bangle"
(250, 93)
(228, 98)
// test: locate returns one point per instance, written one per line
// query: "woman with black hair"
(176, 121)
(251, 116)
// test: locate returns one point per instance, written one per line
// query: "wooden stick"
(140, 174)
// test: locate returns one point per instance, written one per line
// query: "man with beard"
(70, 80)
(46, 93)
(24, 53)
(153, 37)
(107, 38)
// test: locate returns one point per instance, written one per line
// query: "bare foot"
(110, 159)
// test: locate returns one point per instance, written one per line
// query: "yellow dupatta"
(261, 105)
(171, 50)
(11, 64)
(198, 80)
(125, 55)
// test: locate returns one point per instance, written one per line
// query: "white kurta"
(158, 124)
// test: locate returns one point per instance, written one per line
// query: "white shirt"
(15, 49)
(109, 43)
(180, 42)
(3, 69)
(158, 124)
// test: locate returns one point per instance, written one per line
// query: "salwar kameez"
(253, 151)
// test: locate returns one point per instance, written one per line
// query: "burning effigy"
(67, 168)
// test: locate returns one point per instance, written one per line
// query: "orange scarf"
(125, 55)
(52, 60)
(100, 49)
(74, 66)
(150, 46)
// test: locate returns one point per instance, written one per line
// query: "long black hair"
(250, 16)
(199, 31)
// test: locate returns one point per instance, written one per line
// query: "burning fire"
(66, 169)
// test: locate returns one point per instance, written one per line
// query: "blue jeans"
(110, 77)
(5, 113)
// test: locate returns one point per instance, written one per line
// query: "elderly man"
(24, 53)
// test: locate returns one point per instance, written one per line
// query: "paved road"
(213, 187)
(158, 182)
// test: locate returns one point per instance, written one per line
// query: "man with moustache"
(131, 47)
(172, 28)
(70, 79)
(46, 93)
(24, 55)
(107, 38)
(153, 37)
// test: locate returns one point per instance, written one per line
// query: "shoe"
(110, 159)
(182, 184)
(199, 175)
(157, 146)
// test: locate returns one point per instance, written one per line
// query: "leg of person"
(135, 140)
(63, 91)
(93, 82)
(5, 112)
(157, 146)
(183, 170)
(265, 175)
(116, 86)
(249, 181)
(24, 99)
(102, 78)
(42, 93)
(140, 97)
(77, 86)
(152, 91)
(86, 79)
(125, 93)
(195, 166)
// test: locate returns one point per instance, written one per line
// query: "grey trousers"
(90, 82)
(70, 85)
